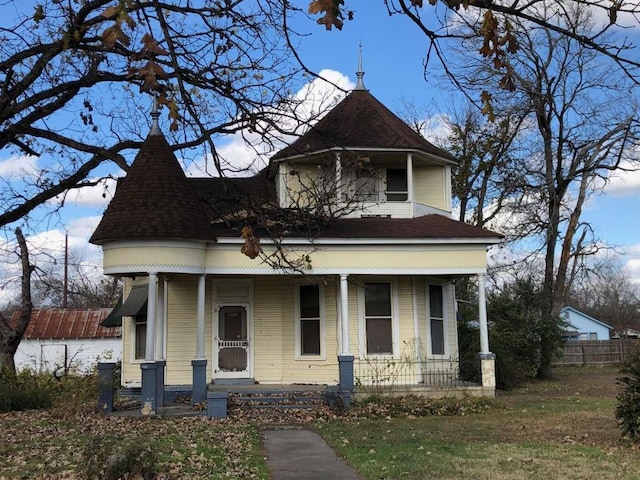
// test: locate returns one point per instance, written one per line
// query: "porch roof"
(428, 227)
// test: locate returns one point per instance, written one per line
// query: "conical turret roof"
(154, 200)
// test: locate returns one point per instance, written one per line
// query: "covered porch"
(212, 333)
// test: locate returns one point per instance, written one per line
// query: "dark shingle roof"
(360, 121)
(157, 201)
(428, 227)
(224, 195)
(154, 200)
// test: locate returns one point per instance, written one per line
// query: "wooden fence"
(600, 352)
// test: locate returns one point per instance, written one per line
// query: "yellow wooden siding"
(429, 186)
(433, 257)
(182, 254)
(452, 322)
(182, 329)
(268, 334)
(418, 286)
(273, 328)
(301, 185)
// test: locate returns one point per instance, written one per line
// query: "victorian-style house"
(332, 266)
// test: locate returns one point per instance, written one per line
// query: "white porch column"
(344, 315)
(150, 354)
(338, 178)
(160, 320)
(482, 316)
(200, 318)
(410, 181)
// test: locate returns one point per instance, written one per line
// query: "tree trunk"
(10, 337)
(7, 362)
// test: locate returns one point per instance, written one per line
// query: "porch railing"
(381, 374)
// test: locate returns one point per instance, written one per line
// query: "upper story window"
(376, 184)
(365, 187)
(397, 189)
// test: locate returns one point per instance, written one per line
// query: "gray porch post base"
(345, 369)
(149, 390)
(488, 369)
(217, 404)
(160, 367)
(199, 380)
(105, 386)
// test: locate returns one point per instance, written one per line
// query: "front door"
(233, 342)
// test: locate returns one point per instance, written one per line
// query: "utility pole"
(66, 270)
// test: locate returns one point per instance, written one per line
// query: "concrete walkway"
(294, 454)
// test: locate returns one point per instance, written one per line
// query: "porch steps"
(278, 398)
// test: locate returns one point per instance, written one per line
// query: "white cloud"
(248, 150)
(94, 196)
(624, 182)
(16, 167)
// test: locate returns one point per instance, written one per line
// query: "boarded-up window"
(140, 337)
(378, 319)
(309, 320)
(436, 319)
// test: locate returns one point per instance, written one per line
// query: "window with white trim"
(309, 318)
(140, 337)
(436, 320)
(397, 185)
(378, 318)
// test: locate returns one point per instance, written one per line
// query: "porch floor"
(261, 387)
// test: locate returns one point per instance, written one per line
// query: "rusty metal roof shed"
(58, 323)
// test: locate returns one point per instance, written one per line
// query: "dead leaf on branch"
(151, 46)
(332, 12)
(114, 34)
(251, 246)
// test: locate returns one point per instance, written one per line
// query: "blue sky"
(393, 54)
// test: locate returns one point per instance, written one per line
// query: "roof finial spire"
(360, 73)
(155, 114)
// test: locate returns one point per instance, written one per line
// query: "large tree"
(501, 22)
(580, 126)
(71, 74)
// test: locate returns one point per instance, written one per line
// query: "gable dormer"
(363, 155)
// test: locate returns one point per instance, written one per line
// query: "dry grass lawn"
(559, 429)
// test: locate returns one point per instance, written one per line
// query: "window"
(310, 320)
(397, 190)
(436, 320)
(378, 318)
(140, 337)
(366, 185)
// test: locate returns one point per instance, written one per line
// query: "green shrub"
(25, 391)
(628, 407)
(28, 390)
(524, 340)
(108, 458)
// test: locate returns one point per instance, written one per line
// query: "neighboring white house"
(627, 333)
(59, 340)
(581, 326)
